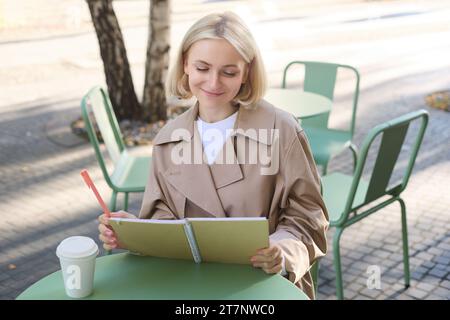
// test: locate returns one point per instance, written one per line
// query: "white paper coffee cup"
(77, 258)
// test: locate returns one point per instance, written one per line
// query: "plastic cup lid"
(77, 247)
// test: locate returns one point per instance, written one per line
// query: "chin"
(213, 101)
(209, 104)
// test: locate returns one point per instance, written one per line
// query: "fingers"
(106, 231)
(107, 235)
(269, 259)
(119, 214)
(108, 243)
(267, 254)
(103, 219)
(270, 251)
(272, 266)
(122, 214)
(275, 269)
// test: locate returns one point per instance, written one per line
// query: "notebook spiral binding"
(192, 242)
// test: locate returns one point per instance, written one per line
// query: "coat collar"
(248, 120)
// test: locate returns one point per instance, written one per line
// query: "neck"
(214, 114)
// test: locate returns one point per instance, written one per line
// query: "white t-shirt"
(214, 135)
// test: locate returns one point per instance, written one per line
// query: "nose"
(214, 81)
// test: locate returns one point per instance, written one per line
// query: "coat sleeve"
(154, 203)
(303, 220)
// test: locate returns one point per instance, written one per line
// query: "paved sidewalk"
(44, 200)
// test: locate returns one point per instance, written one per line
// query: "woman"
(233, 154)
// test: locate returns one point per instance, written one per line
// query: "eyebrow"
(228, 65)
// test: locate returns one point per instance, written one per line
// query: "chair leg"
(405, 243)
(126, 201)
(315, 275)
(112, 207)
(354, 151)
(112, 204)
(325, 166)
(337, 263)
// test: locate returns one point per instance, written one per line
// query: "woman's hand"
(107, 235)
(269, 259)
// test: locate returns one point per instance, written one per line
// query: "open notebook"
(226, 240)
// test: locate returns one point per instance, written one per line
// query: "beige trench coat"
(285, 188)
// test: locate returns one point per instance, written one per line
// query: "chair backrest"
(392, 135)
(320, 78)
(97, 103)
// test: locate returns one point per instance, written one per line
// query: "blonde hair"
(230, 27)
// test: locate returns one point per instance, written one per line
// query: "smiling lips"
(212, 94)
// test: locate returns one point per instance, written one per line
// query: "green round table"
(300, 103)
(126, 276)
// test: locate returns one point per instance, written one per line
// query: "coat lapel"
(227, 167)
(193, 179)
(198, 181)
(196, 184)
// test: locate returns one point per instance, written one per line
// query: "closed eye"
(226, 73)
(229, 74)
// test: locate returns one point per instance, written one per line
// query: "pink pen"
(84, 173)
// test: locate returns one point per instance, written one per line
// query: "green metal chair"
(129, 173)
(315, 275)
(345, 194)
(320, 78)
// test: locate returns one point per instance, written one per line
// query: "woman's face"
(216, 71)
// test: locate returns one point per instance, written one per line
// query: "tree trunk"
(117, 69)
(154, 100)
